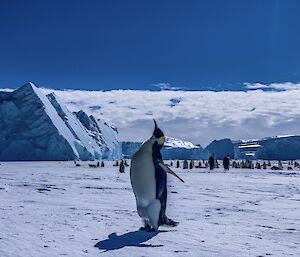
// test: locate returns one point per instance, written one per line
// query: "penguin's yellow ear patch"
(161, 140)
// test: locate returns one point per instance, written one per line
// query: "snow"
(249, 146)
(174, 142)
(57, 209)
(86, 145)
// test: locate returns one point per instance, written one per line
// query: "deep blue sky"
(135, 44)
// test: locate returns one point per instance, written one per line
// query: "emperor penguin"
(148, 175)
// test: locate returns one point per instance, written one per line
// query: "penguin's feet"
(151, 230)
(147, 228)
(170, 222)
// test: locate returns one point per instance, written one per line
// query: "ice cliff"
(38, 127)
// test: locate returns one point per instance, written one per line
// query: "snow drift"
(38, 127)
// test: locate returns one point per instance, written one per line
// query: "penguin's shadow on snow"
(134, 238)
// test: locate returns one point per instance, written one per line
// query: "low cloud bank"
(199, 116)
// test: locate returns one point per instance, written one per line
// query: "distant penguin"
(126, 164)
(76, 164)
(122, 167)
(148, 176)
(185, 164)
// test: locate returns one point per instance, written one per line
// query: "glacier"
(269, 148)
(172, 149)
(221, 148)
(34, 126)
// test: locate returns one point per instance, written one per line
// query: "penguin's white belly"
(142, 175)
(143, 180)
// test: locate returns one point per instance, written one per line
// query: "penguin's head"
(158, 135)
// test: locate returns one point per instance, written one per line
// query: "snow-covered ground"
(56, 209)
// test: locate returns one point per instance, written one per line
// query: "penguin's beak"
(158, 134)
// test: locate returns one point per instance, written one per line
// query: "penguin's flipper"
(167, 169)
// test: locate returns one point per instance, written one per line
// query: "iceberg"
(34, 126)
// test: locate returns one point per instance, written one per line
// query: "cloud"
(200, 117)
(273, 86)
(168, 86)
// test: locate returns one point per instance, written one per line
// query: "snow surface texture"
(56, 209)
(173, 149)
(36, 127)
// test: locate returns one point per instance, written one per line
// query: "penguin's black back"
(161, 180)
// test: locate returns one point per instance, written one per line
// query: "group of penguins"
(243, 164)
(190, 164)
(248, 164)
(122, 164)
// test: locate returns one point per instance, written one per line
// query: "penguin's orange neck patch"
(161, 140)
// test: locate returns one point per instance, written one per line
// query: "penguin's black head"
(158, 134)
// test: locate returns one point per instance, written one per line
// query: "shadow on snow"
(134, 238)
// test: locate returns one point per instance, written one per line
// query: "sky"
(204, 70)
(149, 45)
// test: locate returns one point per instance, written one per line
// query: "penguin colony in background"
(148, 175)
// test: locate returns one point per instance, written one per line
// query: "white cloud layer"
(274, 86)
(197, 116)
(168, 86)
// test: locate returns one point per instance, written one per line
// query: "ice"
(174, 142)
(31, 129)
(103, 134)
(221, 148)
(129, 148)
(173, 149)
(34, 127)
(57, 209)
(272, 148)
